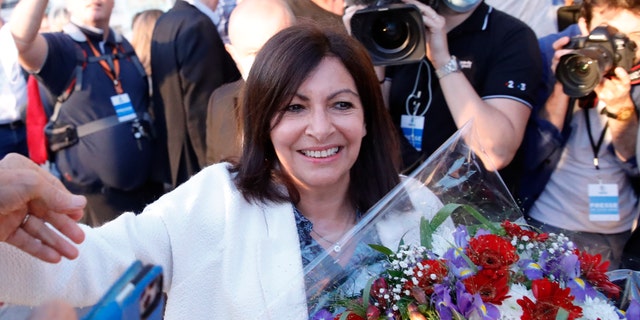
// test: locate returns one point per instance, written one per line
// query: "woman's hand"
(54, 310)
(30, 197)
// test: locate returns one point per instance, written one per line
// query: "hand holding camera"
(614, 92)
(393, 31)
(592, 58)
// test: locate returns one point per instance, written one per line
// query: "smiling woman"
(319, 151)
(317, 140)
(310, 81)
(321, 129)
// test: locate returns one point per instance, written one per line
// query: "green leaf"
(395, 273)
(441, 216)
(427, 228)
(403, 308)
(426, 233)
(457, 315)
(353, 305)
(384, 250)
(485, 222)
(367, 293)
(446, 211)
(562, 314)
(429, 312)
(469, 262)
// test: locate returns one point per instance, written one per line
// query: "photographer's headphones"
(455, 5)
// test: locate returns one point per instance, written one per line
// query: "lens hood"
(392, 34)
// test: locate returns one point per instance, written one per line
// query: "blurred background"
(122, 13)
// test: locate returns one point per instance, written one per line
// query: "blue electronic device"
(136, 295)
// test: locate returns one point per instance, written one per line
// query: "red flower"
(351, 316)
(373, 313)
(550, 298)
(427, 273)
(594, 270)
(380, 288)
(513, 229)
(491, 284)
(491, 252)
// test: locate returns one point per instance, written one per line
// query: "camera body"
(391, 31)
(594, 57)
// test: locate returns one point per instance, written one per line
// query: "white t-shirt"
(13, 86)
(564, 203)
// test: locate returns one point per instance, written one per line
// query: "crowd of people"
(237, 135)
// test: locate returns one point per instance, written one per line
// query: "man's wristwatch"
(452, 66)
(623, 114)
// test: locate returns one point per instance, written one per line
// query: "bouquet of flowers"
(450, 242)
(494, 271)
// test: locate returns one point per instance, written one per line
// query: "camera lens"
(581, 71)
(581, 66)
(390, 34)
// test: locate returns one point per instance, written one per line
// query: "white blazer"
(223, 258)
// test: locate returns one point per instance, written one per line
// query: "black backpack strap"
(127, 52)
(105, 123)
(74, 83)
(67, 135)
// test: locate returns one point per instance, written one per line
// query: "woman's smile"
(318, 136)
(321, 154)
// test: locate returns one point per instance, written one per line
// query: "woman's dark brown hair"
(279, 69)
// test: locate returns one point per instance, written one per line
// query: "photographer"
(480, 64)
(580, 167)
(99, 134)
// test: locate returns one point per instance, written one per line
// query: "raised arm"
(32, 47)
(499, 122)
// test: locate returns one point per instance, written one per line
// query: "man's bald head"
(251, 24)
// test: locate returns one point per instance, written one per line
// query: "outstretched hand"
(30, 197)
(54, 310)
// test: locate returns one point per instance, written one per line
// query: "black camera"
(391, 31)
(594, 57)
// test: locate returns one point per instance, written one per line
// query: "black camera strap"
(595, 146)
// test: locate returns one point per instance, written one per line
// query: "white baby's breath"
(598, 308)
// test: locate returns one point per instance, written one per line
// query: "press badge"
(123, 107)
(412, 128)
(603, 202)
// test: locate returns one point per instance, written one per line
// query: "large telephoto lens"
(581, 70)
(390, 33)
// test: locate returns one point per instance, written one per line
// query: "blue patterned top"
(329, 281)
